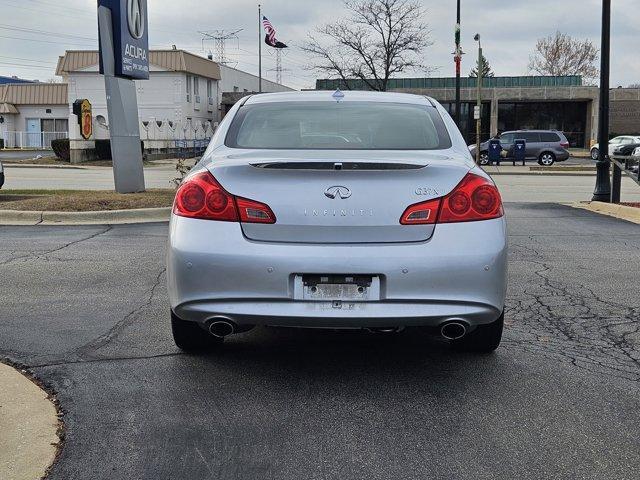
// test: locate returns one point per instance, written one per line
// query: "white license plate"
(329, 288)
(336, 291)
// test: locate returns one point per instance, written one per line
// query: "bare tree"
(560, 54)
(634, 85)
(379, 38)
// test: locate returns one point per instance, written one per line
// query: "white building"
(33, 114)
(180, 100)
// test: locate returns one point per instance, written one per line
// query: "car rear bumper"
(460, 273)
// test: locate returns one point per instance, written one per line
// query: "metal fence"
(38, 140)
(627, 164)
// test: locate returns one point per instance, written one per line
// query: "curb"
(545, 173)
(623, 212)
(106, 217)
(35, 165)
(30, 427)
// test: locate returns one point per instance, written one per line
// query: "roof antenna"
(338, 95)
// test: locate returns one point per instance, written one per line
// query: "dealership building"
(531, 102)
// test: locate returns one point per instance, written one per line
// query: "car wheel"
(594, 154)
(484, 158)
(484, 339)
(188, 336)
(547, 159)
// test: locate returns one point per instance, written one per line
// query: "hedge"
(61, 148)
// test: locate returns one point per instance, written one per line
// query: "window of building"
(189, 88)
(210, 92)
(567, 117)
(467, 122)
(196, 89)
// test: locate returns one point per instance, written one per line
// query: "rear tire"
(189, 337)
(594, 154)
(484, 339)
(547, 159)
(484, 158)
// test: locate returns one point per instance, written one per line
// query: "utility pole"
(259, 48)
(602, 192)
(479, 99)
(458, 59)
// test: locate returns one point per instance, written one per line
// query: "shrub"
(61, 148)
(103, 149)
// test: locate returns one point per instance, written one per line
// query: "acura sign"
(130, 39)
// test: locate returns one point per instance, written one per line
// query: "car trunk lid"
(328, 199)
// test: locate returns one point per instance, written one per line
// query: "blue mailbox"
(494, 151)
(519, 150)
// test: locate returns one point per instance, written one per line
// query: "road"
(85, 309)
(514, 188)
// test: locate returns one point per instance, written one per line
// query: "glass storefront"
(467, 123)
(567, 117)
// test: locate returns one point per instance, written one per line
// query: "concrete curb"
(29, 425)
(623, 212)
(544, 173)
(35, 165)
(106, 217)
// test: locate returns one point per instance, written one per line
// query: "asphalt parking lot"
(85, 309)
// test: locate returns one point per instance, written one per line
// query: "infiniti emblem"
(337, 191)
(135, 18)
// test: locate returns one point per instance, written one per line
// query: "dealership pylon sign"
(124, 56)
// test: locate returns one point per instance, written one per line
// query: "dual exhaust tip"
(221, 327)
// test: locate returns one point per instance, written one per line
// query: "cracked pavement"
(85, 310)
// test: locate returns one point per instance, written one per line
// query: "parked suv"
(544, 146)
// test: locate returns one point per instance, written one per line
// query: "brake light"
(201, 196)
(564, 144)
(474, 198)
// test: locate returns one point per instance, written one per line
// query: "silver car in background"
(355, 210)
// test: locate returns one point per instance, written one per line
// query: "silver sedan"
(354, 210)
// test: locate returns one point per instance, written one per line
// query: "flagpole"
(259, 49)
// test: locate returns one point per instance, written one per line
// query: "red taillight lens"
(423, 213)
(475, 198)
(201, 196)
(564, 144)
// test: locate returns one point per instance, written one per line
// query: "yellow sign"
(86, 119)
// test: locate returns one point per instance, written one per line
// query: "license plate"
(328, 288)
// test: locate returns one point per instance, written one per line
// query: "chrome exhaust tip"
(453, 330)
(221, 327)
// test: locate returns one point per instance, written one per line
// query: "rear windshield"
(344, 125)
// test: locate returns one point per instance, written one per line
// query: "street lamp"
(478, 113)
(602, 192)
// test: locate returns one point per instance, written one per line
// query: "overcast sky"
(33, 33)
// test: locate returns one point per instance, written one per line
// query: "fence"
(40, 140)
(627, 164)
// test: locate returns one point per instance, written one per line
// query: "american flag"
(269, 30)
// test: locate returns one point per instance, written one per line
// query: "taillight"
(564, 144)
(201, 196)
(474, 198)
(423, 213)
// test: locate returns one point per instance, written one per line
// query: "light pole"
(479, 99)
(602, 192)
(458, 59)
